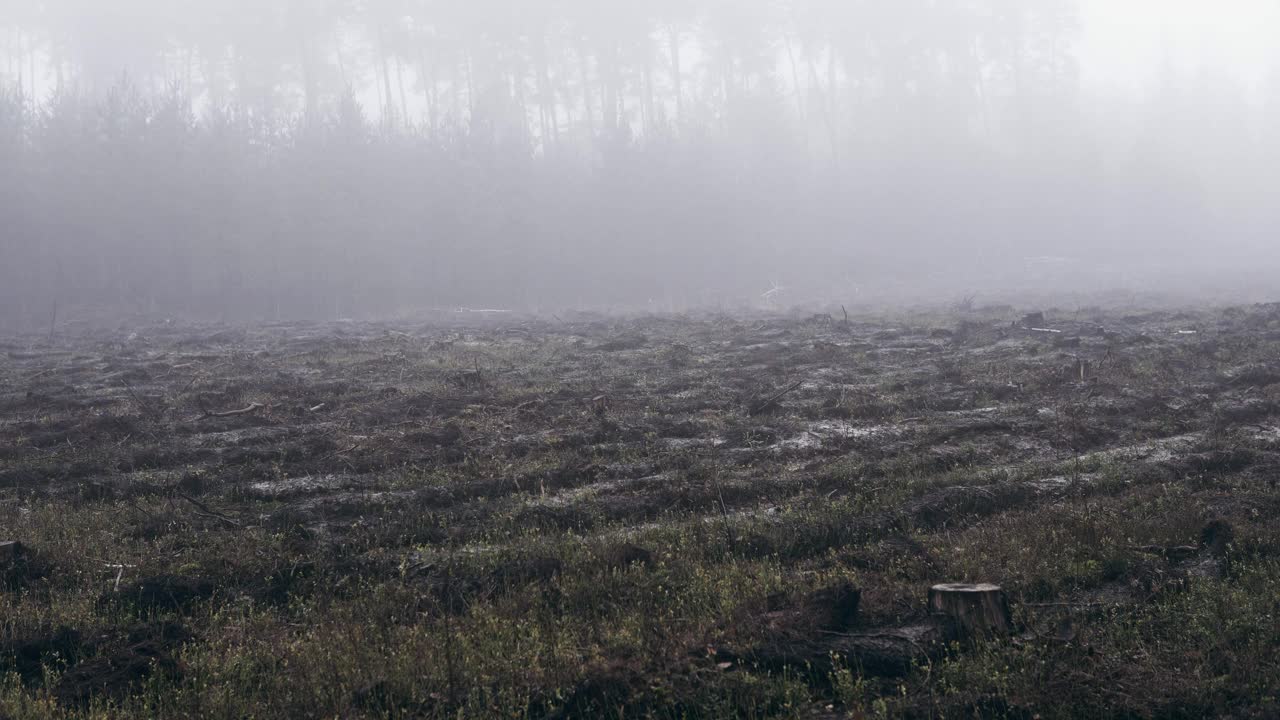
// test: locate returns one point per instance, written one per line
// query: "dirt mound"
(1217, 536)
(627, 555)
(29, 656)
(116, 674)
(831, 609)
(954, 503)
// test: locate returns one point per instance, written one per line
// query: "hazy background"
(1124, 43)
(251, 159)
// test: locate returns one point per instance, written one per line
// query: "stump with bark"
(974, 610)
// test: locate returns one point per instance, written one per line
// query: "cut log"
(894, 652)
(889, 652)
(974, 610)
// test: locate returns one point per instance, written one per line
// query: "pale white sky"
(1126, 41)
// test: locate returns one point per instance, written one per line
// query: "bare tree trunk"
(382, 99)
(191, 79)
(31, 68)
(609, 90)
(647, 106)
(517, 86)
(827, 118)
(388, 106)
(983, 98)
(471, 88)
(455, 88)
(676, 73)
(404, 99)
(586, 92)
(430, 90)
(546, 100)
(309, 83)
(342, 69)
(833, 83)
(795, 78)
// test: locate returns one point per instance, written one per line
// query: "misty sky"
(1126, 41)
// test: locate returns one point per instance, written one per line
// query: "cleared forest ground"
(712, 516)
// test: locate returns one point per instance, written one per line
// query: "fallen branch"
(206, 511)
(41, 374)
(253, 408)
(144, 407)
(187, 387)
(769, 403)
(340, 453)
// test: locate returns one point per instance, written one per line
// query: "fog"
(322, 159)
(1124, 44)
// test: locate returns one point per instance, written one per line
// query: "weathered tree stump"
(975, 610)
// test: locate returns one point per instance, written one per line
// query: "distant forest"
(247, 159)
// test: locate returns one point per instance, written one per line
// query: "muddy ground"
(703, 516)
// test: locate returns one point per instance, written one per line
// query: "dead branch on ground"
(253, 408)
(769, 403)
(208, 512)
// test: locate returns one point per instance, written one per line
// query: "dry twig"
(206, 511)
(253, 408)
(771, 401)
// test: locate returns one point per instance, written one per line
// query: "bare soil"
(708, 516)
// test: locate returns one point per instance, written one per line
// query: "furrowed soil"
(703, 516)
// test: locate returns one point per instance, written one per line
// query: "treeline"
(132, 203)
(561, 70)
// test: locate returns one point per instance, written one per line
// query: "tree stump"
(976, 610)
